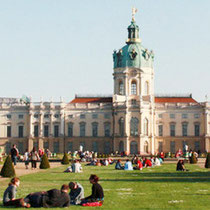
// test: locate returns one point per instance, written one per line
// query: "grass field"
(155, 188)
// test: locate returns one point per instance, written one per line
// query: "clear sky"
(53, 48)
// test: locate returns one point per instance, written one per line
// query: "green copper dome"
(133, 54)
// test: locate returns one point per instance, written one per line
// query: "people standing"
(34, 158)
(26, 158)
(14, 154)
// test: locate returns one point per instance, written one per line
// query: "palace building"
(133, 119)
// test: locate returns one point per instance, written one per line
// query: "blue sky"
(59, 48)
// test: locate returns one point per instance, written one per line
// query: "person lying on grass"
(51, 198)
(10, 194)
(97, 191)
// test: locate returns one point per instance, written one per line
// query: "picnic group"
(73, 192)
(54, 197)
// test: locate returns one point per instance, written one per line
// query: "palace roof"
(175, 100)
(171, 99)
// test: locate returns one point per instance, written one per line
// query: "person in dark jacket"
(97, 191)
(118, 165)
(14, 154)
(180, 166)
(51, 198)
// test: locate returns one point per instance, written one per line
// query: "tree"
(8, 168)
(44, 162)
(193, 159)
(207, 164)
(65, 160)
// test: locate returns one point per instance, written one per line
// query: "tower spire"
(134, 11)
(133, 29)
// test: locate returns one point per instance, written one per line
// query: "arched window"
(70, 129)
(94, 129)
(146, 88)
(133, 147)
(107, 129)
(134, 126)
(121, 88)
(121, 146)
(82, 128)
(146, 126)
(121, 126)
(133, 88)
(146, 147)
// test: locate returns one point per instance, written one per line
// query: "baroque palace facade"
(133, 119)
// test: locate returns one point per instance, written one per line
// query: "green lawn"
(155, 188)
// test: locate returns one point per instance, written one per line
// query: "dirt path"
(20, 169)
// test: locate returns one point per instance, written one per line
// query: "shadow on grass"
(159, 180)
(163, 177)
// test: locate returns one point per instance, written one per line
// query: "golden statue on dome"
(134, 11)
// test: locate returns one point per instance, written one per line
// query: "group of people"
(139, 163)
(34, 156)
(55, 197)
(100, 162)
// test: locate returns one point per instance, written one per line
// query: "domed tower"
(133, 98)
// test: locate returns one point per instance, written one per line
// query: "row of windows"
(184, 116)
(20, 131)
(20, 116)
(133, 88)
(184, 129)
(36, 131)
(82, 129)
(173, 148)
(94, 116)
(134, 125)
(36, 116)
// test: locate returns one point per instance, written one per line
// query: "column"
(62, 123)
(30, 125)
(41, 124)
(51, 124)
(152, 132)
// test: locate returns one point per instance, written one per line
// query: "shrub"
(65, 160)
(44, 162)
(207, 164)
(8, 168)
(193, 159)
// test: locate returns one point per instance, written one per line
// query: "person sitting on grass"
(139, 165)
(180, 166)
(157, 161)
(118, 165)
(147, 163)
(75, 167)
(76, 193)
(128, 165)
(92, 162)
(10, 194)
(97, 191)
